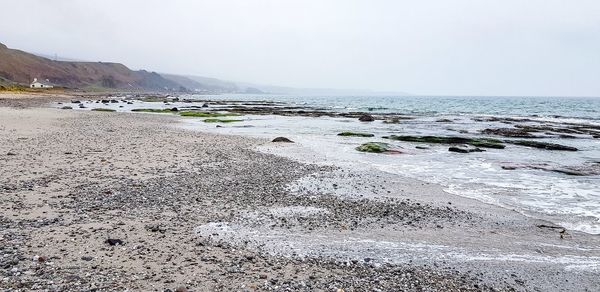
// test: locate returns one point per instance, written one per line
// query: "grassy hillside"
(21, 67)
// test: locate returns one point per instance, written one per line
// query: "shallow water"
(571, 201)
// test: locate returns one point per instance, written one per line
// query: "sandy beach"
(99, 201)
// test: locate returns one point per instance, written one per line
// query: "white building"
(41, 83)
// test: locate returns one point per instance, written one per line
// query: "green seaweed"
(374, 147)
(207, 114)
(103, 110)
(221, 121)
(355, 134)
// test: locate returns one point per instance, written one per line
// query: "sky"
(428, 47)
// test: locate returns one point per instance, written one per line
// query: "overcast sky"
(438, 47)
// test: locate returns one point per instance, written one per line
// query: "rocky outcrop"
(355, 134)
(464, 149)
(542, 145)
(477, 142)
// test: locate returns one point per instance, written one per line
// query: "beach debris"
(282, 140)
(355, 134)
(366, 118)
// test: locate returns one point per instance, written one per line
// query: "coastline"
(78, 178)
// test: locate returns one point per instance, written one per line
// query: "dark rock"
(477, 142)
(66, 107)
(114, 101)
(87, 258)
(155, 228)
(75, 101)
(587, 169)
(205, 105)
(11, 154)
(464, 149)
(181, 289)
(114, 241)
(542, 145)
(509, 132)
(262, 276)
(355, 134)
(366, 118)
(282, 139)
(174, 109)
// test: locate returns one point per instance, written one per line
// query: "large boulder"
(282, 140)
(377, 147)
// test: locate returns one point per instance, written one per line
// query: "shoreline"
(155, 186)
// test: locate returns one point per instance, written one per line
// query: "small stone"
(87, 258)
(114, 241)
(181, 289)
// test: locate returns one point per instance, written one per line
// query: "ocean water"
(567, 200)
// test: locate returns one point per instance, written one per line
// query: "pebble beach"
(114, 201)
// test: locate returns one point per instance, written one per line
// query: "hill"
(21, 67)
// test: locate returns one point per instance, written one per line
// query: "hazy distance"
(431, 47)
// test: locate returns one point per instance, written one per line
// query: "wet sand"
(203, 212)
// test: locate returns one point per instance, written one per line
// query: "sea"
(497, 176)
